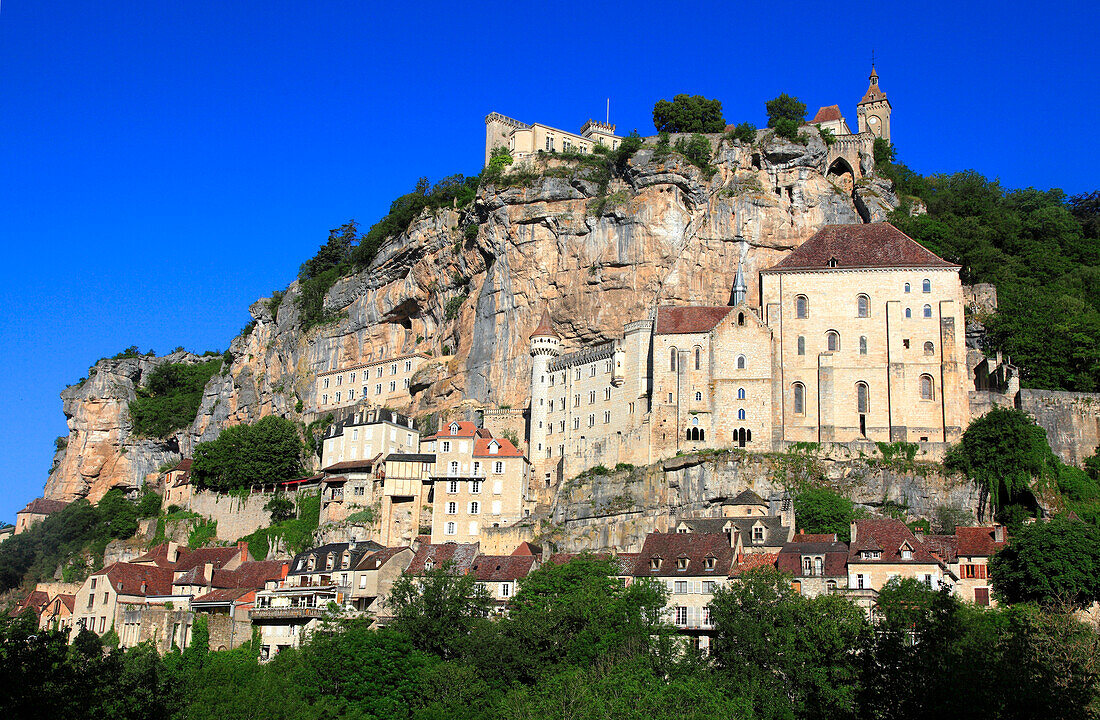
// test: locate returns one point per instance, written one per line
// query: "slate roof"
(691, 319)
(411, 457)
(815, 538)
(977, 541)
(836, 556)
(461, 556)
(378, 558)
(748, 497)
(753, 561)
(775, 532)
(502, 568)
(42, 506)
(871, 245)
(505, 449)
(127, 579)
(828, 113)
(361, 464)
(886, 535)
(696, 547)
(299, 566)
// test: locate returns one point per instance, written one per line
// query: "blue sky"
(165, 164)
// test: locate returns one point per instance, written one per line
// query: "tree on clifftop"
(786, 114)
(688, 114)
(242, 455)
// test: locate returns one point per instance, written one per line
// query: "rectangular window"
(498, 467)
(393, 385)
(379, 374)
(681, 587)
(591, 396)
(475, 508)
(446, 446)
(355, 434)
(337, 396)
(452, 508)
(708, 621)
(450, 528)
(606, 416)
(591, 420)
(405, 384)
(325, 385)
(408, 365)
(475, 485)
(473, 528)
(576, 400)
(452, 486)
(378, 389)
(393, 369)
(505, 589)
(324, 399)
(576, 423)
(453, 468)
(496, 507)
(681, 615)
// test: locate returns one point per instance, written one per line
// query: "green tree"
(242, 455)
(744, 132)
(688, 114)
(438, 610)
(171, 397)
(1004, 453)
(1052, 563)
(786, 114)
(791, 655)
(118, 516)
(821, 510)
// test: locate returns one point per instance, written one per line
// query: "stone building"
(966, 554)
(379, 381)
(523, 140)
(405, 487)
(177, 485)
(884, 548)
(858, 337)
(36, 511)
(818, 564)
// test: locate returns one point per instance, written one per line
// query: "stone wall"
(1072, 421)
(236, 516)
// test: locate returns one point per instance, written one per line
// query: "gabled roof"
(505, 448)
(691, 319)
(184, 467)
(502, 568)
(37, 599)
(887, 536)
(158, 556)
(527, 548)
(753, 561)
(829, 113)
(977, 541)
(43, 506)
(300, 566)
(871, 245)
(378, 558)
(695, 547)
(361, 464)
(466, 429)
(69, 601)
(748, 497)
(460, 556)
(222, 596)
(775, 532)
(194, 576)
(216, 556)
(873, 91)
(251, 574)
(141, 580)
(835, 555)
(945, 547)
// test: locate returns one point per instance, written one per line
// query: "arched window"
(695, 421)
(799, 399)
(698, 397)
(807, 566)
(929, 349)
(740, 318)
(672, 359)
(801, 306)
(926, 286)
(832, 341)
(740, 362)
(698, 357)
(863, 345)
(863, 306)
(801, 345)
(741, 414)
(908, 313)
(907, 287)
(740, 393)
(863, 398)
(927, 388)
(928, 311)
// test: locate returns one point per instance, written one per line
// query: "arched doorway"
(841, 174)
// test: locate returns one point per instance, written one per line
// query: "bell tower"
(545, 346)
(873, 111)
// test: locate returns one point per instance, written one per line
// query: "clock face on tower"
(873, 120)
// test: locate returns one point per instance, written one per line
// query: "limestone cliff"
(466, 286)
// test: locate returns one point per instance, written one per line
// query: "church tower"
(873, 111)
(545, 346)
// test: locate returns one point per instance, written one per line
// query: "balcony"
(285, 613)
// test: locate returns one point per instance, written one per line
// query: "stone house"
(405, 486)
(692, 565)
(818, 564)
(36, 601)
(479, 481)
(374, 576)
(234, 595)
(500, 576)
(524, 141)
(882, 549)
(36, 511)
(58, 613)
(748, 524)
(377, 381)
(966, 554)
(101, 599)
(177, 485)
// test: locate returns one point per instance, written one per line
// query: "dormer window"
(870, 555)
(330, 560)
(709, 562)
(831, 263)
(454, 428)
(312, 562)
(655, 563)
(681, 563)
(429, 565)
(494, 447)
(758, 533)
(345, 560)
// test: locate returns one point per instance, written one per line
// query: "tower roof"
(546, 327)
(873, 91)
(872, 245)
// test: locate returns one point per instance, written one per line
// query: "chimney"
(208, 573)
(173, 551)
(999, 533)
(143, 586)
(853, 531)
(242, 545)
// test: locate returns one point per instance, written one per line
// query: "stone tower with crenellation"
(873, 111)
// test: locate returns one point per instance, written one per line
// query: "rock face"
(662, 232)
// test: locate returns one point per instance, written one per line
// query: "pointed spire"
(873, 91)
(546, 327)
(739, 287)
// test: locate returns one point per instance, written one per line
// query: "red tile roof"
(303, 480)
(526, 548)
(36, 600)
(42, 506)
(378, 558)
(465, 429)
(460, 557)
(185, 468)
(977, 541)
(502, 568)
(363, 464)
(251, 574)
(692, 319)
(873, 92)
(695, 547)
(223, 595)
(886, 535)
(545, 328)
(159, 556)
(835, 554)
(505, 448)
(184, 465)
(872, 245)
(216, 556)
(945, 547)
(828, 113)
(143, 580)
(753, 561)
(814, 538)
(69, 601)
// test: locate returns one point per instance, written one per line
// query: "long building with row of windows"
(858, 335)
(378, 381)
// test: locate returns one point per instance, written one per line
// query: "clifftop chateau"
(859, 336)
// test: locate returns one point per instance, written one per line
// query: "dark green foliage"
(663, 147)
(149, 504)
(117, 515)
(630, 144)
(453, 306)
(332, 261)
(60, 443)
(275, 301)
(280, 508)
(248, 328)
(786, 114)
(1005, 453)
(697, 151)
(1052, 563)
(202, 533)
(295, 531)
(743, 132)
(827, 135)
(439, 610)
(821, 510)
(171, 397)
(688, 114)
(243, 455)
